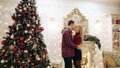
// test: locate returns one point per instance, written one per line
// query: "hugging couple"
(71, 45)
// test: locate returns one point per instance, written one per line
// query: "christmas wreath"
(93, 39)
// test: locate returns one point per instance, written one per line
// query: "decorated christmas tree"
(23, 46)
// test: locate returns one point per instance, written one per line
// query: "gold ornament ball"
(5, 66)
(11, 47)
(38, 59)
(29, 4)
(6, 61)
(25, 8)
(2, 61)
(28, 25)
(23, 62)
(26, 31)
(28, 60)
(32, 29)
(12, 67)
(3, 50)
(25, 51)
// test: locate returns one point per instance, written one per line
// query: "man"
(68, 45)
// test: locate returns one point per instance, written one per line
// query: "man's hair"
(70, 22)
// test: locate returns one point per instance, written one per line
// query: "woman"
(78, 40)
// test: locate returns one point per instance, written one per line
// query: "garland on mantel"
(93, 39)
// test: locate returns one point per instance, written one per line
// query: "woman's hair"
(80, 29)
(81, 32)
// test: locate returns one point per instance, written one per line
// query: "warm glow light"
(98, 26)
(6, 30)
(6, 23)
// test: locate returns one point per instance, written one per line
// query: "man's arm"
(68, 40)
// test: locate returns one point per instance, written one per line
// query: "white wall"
(96, 13)
(52, 13)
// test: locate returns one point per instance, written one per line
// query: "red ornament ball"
(41, 60)
(3, 42)
(19, 4)
(25, 11)
(15, 25)
(21, 38)
(25, 66)
(41, 28)
(23, 46)
(18, 41)
(37, 31)
(33, 13)
(30, 59)
(36, 15)
(31, 26)
(32, 35)
(16, 54)
(31, 18)
(15, 33)
(19, 59)
(31, 5)
(32, 66)
(15, 48)
(13, 17)
(26, 22)
(22, 51)
(34, 54)
(33, 41)
(40, 47)
(6, 54)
